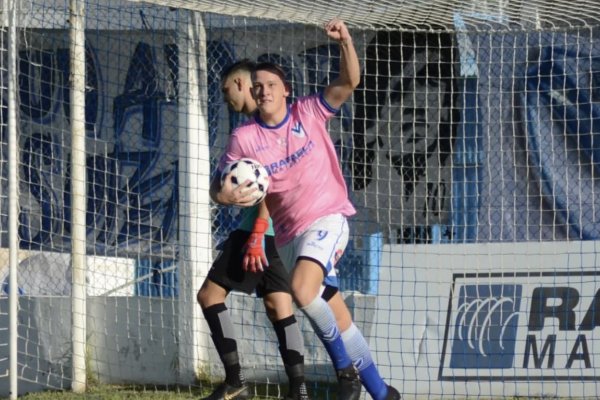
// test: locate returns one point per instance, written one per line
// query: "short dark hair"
(273, 68)
(244, 65)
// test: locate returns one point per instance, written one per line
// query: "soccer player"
(308, 200)
(233, 271)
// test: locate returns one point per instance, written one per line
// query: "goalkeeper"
(308, 201)
(229, 272)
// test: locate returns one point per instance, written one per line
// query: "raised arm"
(341, 88)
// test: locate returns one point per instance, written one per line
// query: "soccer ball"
(246, 169)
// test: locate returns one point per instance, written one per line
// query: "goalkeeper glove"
(254, 257)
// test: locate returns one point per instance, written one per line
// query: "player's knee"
(278, 305)
(210, 294)
(270, 308)
(302, 294)
(201, 297)
(306, 283)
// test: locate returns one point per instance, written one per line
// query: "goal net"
(469, 150)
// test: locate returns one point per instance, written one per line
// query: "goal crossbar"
(497, 15)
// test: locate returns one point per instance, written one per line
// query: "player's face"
(232, 94)
(270, 92)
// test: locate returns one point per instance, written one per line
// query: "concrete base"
(135, 340)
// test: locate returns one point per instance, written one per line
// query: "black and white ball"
(247, 169)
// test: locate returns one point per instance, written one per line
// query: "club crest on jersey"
(298, 131)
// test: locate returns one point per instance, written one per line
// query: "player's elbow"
(350, 83)
(352, 75)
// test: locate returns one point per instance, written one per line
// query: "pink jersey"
(306, 178)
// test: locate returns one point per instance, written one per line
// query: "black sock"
(221, 328)
(291, 348)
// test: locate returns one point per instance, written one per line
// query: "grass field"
(107, 393)
(320, 391)
(120, 393)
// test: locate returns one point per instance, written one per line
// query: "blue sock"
(359, 352)
(323, 322)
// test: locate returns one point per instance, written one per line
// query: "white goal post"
(470, 150)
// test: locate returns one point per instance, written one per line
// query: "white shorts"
(323, 242)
